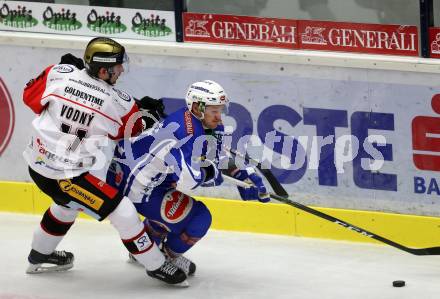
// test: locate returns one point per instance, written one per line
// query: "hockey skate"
(183, 263)
(170, 274)
(43, 263)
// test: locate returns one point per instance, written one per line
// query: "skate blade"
(39, 268)
(132, 260)
(183, 284)
(186, 273)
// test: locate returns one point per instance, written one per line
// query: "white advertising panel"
(87, 20)
(334, 137)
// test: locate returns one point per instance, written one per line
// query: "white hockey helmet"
(206, 93)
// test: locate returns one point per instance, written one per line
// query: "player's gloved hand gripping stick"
(254, 188)
(272, 180)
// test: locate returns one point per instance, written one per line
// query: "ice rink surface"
(230, 265)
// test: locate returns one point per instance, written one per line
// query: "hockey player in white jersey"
(79, 114)
(159, 169)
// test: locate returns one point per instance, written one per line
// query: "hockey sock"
(179, 244)
(134, 236)
(155, 231)
(56, 222)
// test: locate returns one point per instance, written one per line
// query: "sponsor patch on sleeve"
(122, 94)
(63, 68)
(188, 123)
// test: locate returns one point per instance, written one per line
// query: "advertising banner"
(357, 37)
(87, 20)
(7, 116)
(301, 34)
(333, 136)
(434, 42)
(241, 30)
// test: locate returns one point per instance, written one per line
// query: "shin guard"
(55, 224)
(134, 236)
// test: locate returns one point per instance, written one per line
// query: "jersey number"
(80, 135)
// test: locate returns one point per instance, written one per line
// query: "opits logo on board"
(20, 17)
(108, 23)
(153, 26)
(7, 116)
(63, 20)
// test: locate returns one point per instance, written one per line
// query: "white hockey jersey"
(78, 117)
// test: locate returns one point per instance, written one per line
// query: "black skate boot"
(56, 261)
(184, 264)
(181, 262)
(170, 274)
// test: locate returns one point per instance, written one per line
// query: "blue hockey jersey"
(170, 155)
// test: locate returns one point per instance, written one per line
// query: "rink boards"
(338, 130)
(337, 115)
(270, 218)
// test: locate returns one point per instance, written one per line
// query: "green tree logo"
(154, 26)
(61, 21)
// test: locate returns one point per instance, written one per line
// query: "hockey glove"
(155, 109)
(73, 60)
(256, 192)
(211, 176)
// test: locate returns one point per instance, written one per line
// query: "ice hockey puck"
(398, 283)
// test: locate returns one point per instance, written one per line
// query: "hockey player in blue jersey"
(159, 169)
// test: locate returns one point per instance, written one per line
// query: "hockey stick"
(415, 251)
(271, 179)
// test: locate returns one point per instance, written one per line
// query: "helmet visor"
(222, 100)
(126, 63)
(121, 68)
(222, 109)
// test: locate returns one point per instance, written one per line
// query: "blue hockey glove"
(256, 192)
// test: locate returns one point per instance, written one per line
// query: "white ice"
(230, 265)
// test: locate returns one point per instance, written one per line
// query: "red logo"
(175, 206)
(434, 41)
(426, 139)
(357, 37)
(243, 30)
(118, 178)
(313, 36)
(188, 123)
(7, 116)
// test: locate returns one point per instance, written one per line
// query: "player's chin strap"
(201, 108)
(111, 72)
(415, 251)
